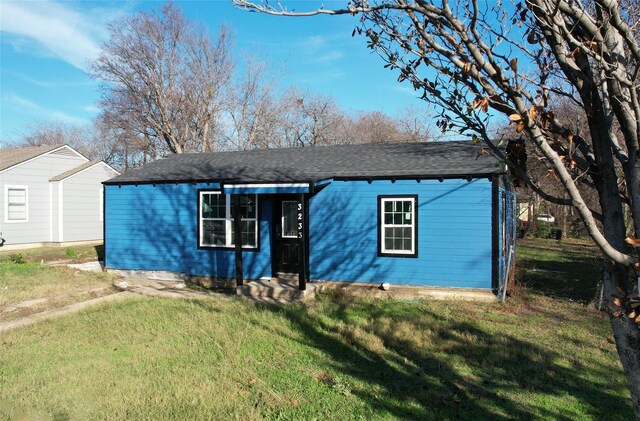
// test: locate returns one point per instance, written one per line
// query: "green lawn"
(568, 270)
(76, 254)
(24, 279)
(536, 357)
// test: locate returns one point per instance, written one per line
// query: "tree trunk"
(626, 334)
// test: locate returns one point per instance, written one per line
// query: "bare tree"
(475, 59)
(254, 109)
(313, 119)
(165, 79)
(375, 127)
(413, 124)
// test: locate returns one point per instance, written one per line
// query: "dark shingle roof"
(11, 157)
(399, 160)
(73, 171)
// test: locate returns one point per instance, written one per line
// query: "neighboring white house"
(50, 194)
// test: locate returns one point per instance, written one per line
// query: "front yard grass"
(536, 357)
(31, 287)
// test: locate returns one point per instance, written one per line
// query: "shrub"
(18, 258)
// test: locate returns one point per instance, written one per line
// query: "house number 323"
(299, 220)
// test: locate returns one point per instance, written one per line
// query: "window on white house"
(216, 223)
(397, 230)
(16, 209)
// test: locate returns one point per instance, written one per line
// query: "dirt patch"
(30, 307)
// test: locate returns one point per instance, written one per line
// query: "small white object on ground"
(385, 286)
(179, 286)
(122, 285)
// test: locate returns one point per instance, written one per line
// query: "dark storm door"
(286, 242)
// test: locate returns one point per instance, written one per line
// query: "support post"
(237, 238)
(302, 242)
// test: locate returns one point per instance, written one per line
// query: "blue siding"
(155, 228)
(454, 234)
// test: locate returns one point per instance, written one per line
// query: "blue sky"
(45, 48)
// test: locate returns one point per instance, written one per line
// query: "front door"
(285, 250)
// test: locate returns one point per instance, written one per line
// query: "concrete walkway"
(128, 287)
(72, 308)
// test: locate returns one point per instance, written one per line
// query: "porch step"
(277, 291)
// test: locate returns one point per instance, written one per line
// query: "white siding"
(81, 204)
(35, 175)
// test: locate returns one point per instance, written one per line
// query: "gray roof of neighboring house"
(73, 171)
(14, 156)
(368, 161)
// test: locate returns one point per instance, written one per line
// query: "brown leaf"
(485, 105)
(515, 117)
(532, 112)
(532, 38)
(617, 313)
(633, 241)
(570, 138)
(520, 126)
(635, 305)
(466, 68)
(638, 320)
(617, 302)
(514, 64)
(632, 315)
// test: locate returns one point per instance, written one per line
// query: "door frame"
(303, 242)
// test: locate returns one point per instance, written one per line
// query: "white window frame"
(414, 232)
(228, 223)
(6, 204)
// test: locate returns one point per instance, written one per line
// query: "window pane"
(388, 232)
(289, 214)
(397, 244)
(214, 205)
(17, 196)
(213, 233)
(397, 219)
(248, 206)
(388, 244)
(406, 233)
(407, 245)
(407, 206)
(247, 232)
(17, 213)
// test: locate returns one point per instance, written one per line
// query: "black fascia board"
(335, 178)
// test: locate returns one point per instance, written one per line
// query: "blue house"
(436, 214)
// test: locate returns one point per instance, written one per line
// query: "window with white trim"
(16, 204)
(216, 223)
(397, 225)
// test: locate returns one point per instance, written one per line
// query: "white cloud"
(63, 32)
(91, 109)
(22, 104)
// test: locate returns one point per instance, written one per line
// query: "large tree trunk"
(625, 333)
